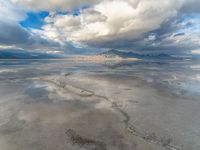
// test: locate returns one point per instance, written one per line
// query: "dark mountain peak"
(124, 54)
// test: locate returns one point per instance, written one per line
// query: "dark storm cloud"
(12, 34)
(191, 6)
(174, 36)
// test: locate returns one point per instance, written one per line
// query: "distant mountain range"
(123, 54)
(22, 54)
(110, 54)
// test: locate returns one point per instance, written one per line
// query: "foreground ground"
(99, 107)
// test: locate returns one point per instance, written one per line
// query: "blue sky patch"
(34, 20)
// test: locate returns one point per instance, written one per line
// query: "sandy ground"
(95, 111)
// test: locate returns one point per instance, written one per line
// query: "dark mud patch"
(83, 142)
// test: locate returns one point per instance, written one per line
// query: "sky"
(90, 26)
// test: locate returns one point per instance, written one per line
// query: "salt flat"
(88, 106)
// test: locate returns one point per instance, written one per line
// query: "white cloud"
(196, 52)
(10, 13)
(111, 20)
(50, 5)
(7, 46)
(54, 52)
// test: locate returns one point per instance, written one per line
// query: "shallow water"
(61, 104)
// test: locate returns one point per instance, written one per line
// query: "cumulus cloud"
(108, 21)
(133, 24)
